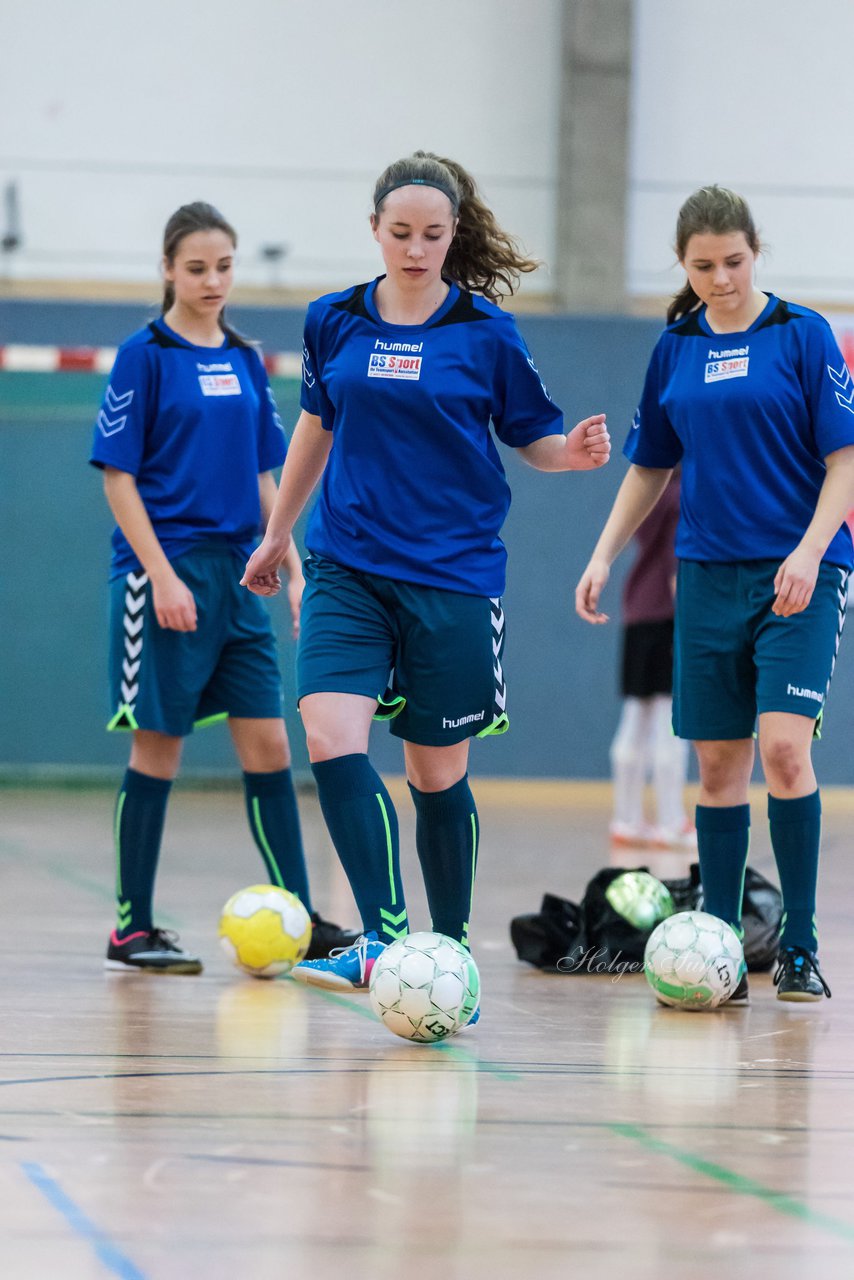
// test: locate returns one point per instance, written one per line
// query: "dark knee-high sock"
(446, 837)
(363, 825)
(723, 839)
(271, 805)
(795, 839)
(140, 814)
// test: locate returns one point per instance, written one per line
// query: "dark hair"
(197, 216)
(482, 258)
(710, 211)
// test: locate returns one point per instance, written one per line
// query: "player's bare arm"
(638, 494)
(304, 465)
(796, 577)
(586, 448)
(174, 603)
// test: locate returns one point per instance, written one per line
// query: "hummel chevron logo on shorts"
(133, 623)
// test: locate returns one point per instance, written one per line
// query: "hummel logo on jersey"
(729, 363)
(215, 368)
(804, 693)
(113, 403)
(307, 376)
(842, 378)
(381, 365)
(414, 347)
(537, 372)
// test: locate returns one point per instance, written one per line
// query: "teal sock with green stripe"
(362, 822)
(271, 806)
(795, 839)
(447, 835)
(139, 818)
(723, 840)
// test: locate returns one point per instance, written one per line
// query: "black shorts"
(647, 667)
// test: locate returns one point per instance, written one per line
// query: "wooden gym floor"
(168, 1128)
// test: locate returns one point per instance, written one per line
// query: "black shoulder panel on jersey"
(780, 315)
(461, 312)
(235, 339)
(355, 304)
(689, 327)
(163, 339)
(232, 339)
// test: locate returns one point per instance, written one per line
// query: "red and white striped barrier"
(38, 359)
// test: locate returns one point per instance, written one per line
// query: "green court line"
(736, 1182)
(464, 1056)
(80, 880)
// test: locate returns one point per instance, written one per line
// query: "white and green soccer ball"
(265, 930)
(425, 987)
(693, 961)
(640, 898)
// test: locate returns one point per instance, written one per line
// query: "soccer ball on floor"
(693, 961)
(425, 987)
(265, 930)
(639, 898)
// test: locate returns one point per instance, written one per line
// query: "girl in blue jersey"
(188, 437)
(402, 614)
(753, 396)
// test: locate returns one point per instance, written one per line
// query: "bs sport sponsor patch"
(383, 364)
(727, 364)
(218, 380)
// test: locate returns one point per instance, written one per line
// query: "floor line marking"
(737, 1182)
(105, 1250)
(458, 1053)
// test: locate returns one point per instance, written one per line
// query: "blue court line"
(104, 1248)
(268, 1161)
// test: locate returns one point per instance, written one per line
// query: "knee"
(433, 780)
(262, 746)
(625, 753)
(720, 770)
(327, 742)
(784, 762)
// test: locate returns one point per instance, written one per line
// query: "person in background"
(187, 438)
(644, 745)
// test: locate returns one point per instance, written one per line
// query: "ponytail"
(482, 258)
(197, 216)
(709, 211)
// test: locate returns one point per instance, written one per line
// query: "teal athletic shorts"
(173, 681)
(431, 658)
(734, 659)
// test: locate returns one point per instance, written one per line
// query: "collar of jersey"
(371, 308)
(728, 337)
(184, 342)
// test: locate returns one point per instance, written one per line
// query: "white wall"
(281, 112)
(757, 95)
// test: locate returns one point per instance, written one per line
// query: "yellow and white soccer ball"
(265, 930)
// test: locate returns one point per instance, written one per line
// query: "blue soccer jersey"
(414, 488)
(752, 416)
(195, 426)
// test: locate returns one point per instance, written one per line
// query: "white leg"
(631, 759)
(670, 763)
